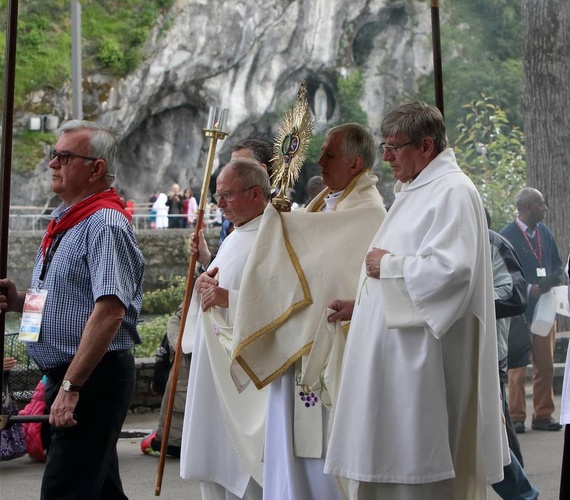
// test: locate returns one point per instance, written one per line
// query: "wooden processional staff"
(215, 131)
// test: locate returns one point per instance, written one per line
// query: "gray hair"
(102, 144)
(357, 140)
(526, 197)
(250, 173)
(416, 120)
(262, 151)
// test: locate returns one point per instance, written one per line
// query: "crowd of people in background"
(175, 210)
(178, 210)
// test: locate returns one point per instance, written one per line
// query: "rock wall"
(248, 56)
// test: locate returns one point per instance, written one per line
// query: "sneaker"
(146, 445)
(519, 427)
(546, 424)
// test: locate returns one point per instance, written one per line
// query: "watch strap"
(67, 386)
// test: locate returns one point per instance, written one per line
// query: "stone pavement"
(20, 479)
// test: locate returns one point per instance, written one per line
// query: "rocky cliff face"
(248, 56)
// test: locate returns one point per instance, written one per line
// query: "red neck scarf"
(104, 199)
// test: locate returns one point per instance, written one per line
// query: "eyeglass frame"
(393, 149)
(228, 196)
(68, 155)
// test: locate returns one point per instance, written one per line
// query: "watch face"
(66, 385)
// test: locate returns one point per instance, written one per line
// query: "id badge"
(540, 272)
(32, 314)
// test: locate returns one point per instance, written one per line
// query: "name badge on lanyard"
(32, 314)
(540, 272)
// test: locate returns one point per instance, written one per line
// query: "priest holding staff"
(418, 412)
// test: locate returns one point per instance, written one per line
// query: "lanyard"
(49, 256)
(537, 253)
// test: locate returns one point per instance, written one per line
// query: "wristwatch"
(67, 386)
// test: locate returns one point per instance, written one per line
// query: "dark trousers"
(515, 484)
(82, 462)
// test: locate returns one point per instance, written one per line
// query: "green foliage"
(110, 54)
(28, 147)
(350, 93)
(113, 35)
(166, 300)
(481, 53)
(491, 151)
(151, 333)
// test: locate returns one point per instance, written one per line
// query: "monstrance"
(290, 148)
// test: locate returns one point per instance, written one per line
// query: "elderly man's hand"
(199, 247)
(211, 294)
(62, 410)
(372, 262)
(343, 308)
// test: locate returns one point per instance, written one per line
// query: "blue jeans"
(515, 485)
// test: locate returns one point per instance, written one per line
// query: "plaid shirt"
(97, 257)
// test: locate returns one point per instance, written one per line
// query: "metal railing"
(24, 377)
(36, 219)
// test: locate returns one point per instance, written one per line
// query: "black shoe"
(519, 427)
(171, 450)
(546, 424)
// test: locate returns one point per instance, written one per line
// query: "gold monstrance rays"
(290, 147)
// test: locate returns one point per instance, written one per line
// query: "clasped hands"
(211, 294)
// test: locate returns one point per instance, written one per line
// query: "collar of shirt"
(530, 232)
(331, 199)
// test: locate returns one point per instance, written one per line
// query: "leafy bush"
(492, 153)
(111, 54)
(151, 333)
(166, 300)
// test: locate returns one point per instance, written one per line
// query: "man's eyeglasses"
(389, 148)
(63, 157)
(229, 195)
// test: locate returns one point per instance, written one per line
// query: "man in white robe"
(418, 412)
(222, 442)
(328, 250)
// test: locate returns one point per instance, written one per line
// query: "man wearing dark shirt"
(542, 267)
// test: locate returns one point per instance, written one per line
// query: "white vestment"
(223, 431)
(565, 400)
(318, 255)
(419, 392)
(159, 206)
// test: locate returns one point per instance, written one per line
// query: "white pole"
(76, 70)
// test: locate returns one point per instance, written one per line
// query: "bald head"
(242, 190)
(530, 206)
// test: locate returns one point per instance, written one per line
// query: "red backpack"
(33, 431)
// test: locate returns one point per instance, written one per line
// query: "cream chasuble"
(419, 391)
(223, 430)
(302, 261)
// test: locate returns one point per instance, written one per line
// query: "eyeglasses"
(388, 148)
(229, 195)
(63, 157)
